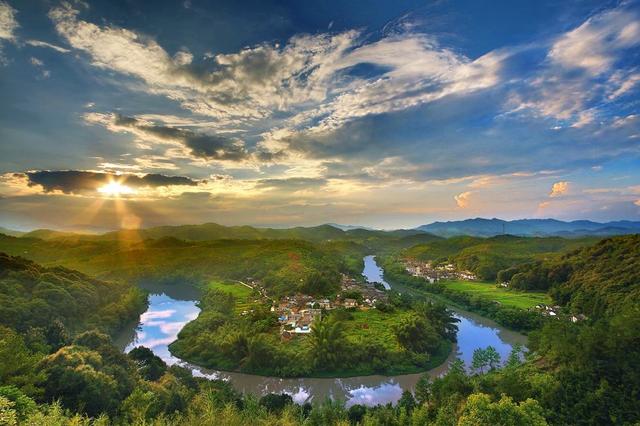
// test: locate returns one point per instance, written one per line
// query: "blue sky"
(387, 114)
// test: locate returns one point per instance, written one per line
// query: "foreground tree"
(480, 411)
(327, 342)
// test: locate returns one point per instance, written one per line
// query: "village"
(433, 273)
(298, 312)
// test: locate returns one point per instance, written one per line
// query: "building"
(350, 303)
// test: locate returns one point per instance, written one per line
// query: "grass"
(506, 297)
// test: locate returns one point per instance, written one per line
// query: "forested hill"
(487, 256)
(214, 231)
(34, 297)
(530, 227)
(283, 265)
(593, 280)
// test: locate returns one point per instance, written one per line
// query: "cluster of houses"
(370, 293)
(433, 273)
(297, 313)
(554, 311)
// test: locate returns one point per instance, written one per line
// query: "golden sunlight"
(115, 189)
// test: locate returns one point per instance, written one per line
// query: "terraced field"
(243, 294)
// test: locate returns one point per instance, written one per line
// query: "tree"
(275, 403)
(327, 342)
(415, 334)
(423, 389)
(8, 415)
(440, 317)
(514, 356)
(479, 360)
(492, 357)
(407, 401)
(480, 411)
(150, 366)
(75, 376)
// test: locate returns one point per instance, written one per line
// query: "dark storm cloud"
(78, 181)
(214, 147)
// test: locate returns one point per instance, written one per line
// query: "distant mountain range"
(473, 227)
(530, 227)
(213, 231)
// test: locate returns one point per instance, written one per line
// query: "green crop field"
(243, 294)
(516, 299)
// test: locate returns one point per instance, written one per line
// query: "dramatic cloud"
(559, 188)
(311, 77)
(211, 147)
(80, 181)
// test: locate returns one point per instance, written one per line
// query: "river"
(171, 307)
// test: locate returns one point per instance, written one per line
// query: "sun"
(115, 189)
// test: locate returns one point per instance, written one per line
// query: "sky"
(133, 114)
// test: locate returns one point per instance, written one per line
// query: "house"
(325, 304)
(350, 303)
(578, 317)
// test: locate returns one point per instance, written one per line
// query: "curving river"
(170, 308)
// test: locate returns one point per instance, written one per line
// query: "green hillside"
(487, 256)
(284, 265)
(593, 280)
(32, 296)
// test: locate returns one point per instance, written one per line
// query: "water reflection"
(373, 273)
(160, 324)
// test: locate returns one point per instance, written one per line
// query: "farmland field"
(241, 293)
(512, 298)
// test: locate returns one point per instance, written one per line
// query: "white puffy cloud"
(8, 23)
(585, 69)
(596, 45)
(559, 188)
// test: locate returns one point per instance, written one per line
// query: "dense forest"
(574, 374)
(282, 265)
(35, 300)
(59, 366)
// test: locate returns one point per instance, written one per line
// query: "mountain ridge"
(482, 227)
